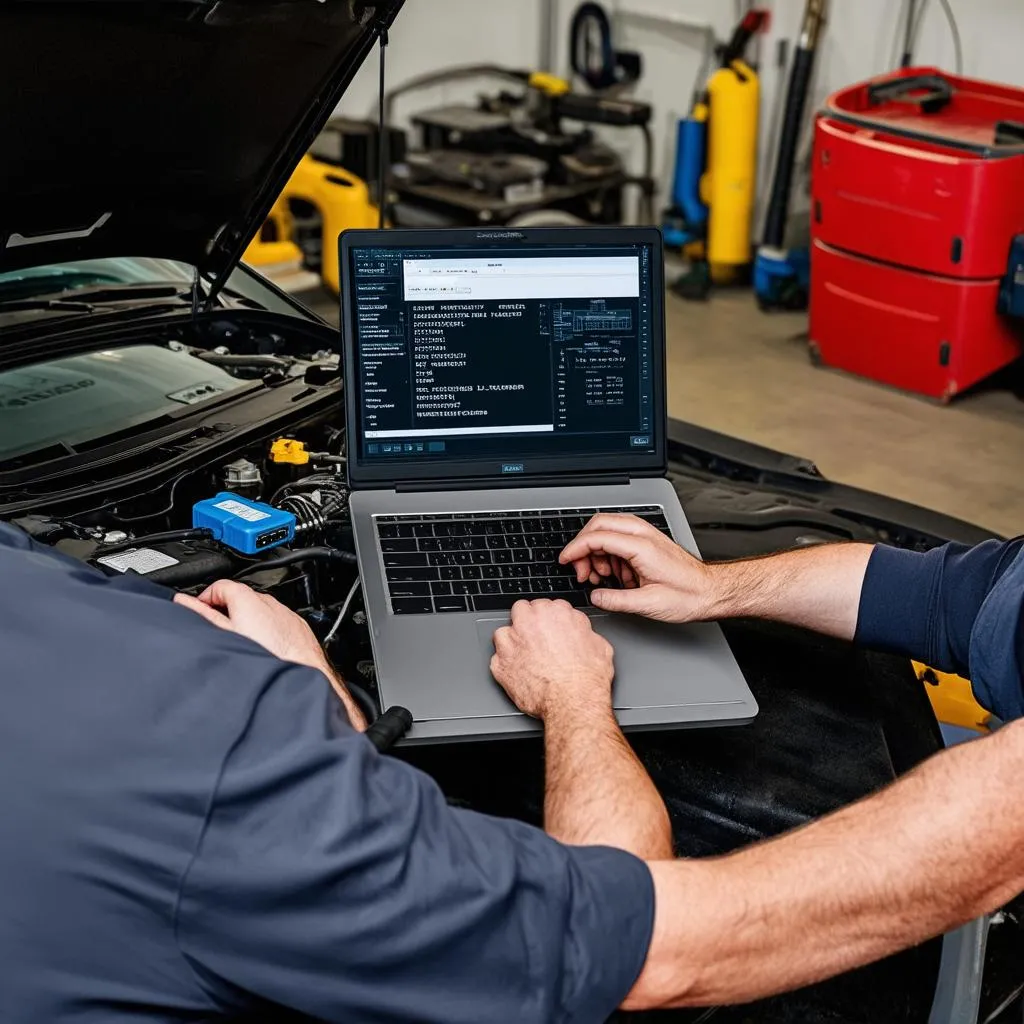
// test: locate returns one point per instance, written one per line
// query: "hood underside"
(166, 128)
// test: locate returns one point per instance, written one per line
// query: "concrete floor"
(741, 372)
(745, 373)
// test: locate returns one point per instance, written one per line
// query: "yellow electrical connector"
(289, 451)
(550, 85)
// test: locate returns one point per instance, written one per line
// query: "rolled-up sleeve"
(957, 608)
(339, 883)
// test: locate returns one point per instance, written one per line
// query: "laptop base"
(667, 676)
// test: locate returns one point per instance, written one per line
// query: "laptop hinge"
(488, 483)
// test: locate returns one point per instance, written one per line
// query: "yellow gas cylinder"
(343, 201)
(729, 185)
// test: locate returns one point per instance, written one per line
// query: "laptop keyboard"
(486, 561)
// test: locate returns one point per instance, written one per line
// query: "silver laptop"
(502, 387)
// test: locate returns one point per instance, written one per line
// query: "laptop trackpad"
(485, 629)
(656, 664)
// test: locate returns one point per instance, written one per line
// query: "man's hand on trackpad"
(549, 659)
(556, 668)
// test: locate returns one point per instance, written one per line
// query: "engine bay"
(193, 451)
(291, 499)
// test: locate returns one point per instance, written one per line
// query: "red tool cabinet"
(918, 191)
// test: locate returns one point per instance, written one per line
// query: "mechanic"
(860, 883)
(193, 827)
(958, 609)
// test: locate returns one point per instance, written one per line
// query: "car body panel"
(194, 118)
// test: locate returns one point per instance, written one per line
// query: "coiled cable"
(312, 515)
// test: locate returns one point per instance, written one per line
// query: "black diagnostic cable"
(298, 555)
(387, 730)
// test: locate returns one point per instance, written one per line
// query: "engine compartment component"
(288, 450)
(242, 476)
(315, 510)
(722, 790)
(243, 525)
(175, 535)
(178, 564)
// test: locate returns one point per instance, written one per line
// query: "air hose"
(592, 54)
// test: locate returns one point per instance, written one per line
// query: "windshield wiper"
(61, 305)
(88, 300)
(107, 294)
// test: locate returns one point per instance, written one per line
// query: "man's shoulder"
(93, 664)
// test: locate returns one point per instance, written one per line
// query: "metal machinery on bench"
(512, 160)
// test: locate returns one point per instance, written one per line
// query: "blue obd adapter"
(248, 527)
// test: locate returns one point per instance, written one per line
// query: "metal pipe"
(789, 139)
(813, 24)
(549, 14)
(908, 35)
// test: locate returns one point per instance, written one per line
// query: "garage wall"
(860, 41)
(433, 34)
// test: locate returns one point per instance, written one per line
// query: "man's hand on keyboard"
(550, 660)
(659, 580)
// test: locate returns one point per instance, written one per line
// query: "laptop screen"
(505, 359)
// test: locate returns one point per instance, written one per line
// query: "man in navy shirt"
(956, 608)
(193, 826)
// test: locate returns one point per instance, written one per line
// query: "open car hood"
(163, 129)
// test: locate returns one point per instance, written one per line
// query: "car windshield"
(43, 284)
(60, 279)
(73, 401)
(67, 278)
(79, 399)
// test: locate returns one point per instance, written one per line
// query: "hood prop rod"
(197, 296)
(382, 144)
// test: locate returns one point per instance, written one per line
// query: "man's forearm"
(817, 587)
(352, 709)
(596, 792)
(934, 850)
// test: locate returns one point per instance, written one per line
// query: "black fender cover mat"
(835, 724)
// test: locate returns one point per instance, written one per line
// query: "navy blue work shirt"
(190, 829)
(956, 608)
